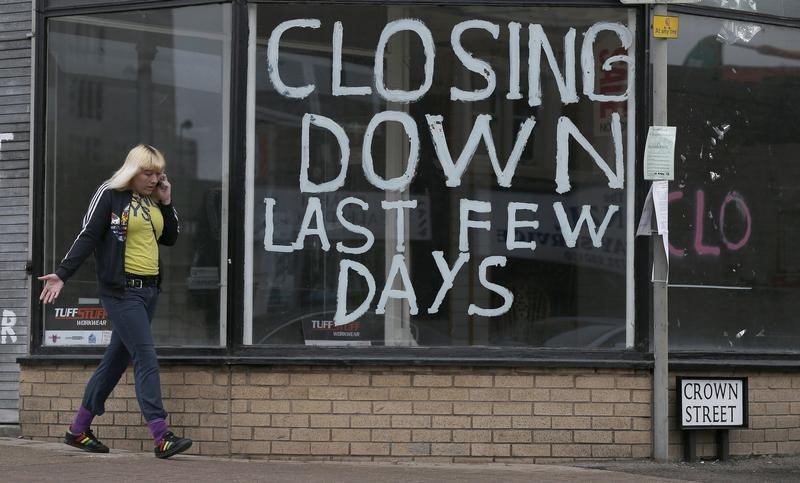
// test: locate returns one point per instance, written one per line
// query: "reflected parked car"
(583, 332)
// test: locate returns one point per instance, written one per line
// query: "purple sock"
(82, 421)
(157, 429)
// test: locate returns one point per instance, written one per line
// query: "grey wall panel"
(15, 98)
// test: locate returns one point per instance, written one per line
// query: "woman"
(129, 215)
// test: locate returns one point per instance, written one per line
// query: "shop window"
(734, 272)
(114, 80)
(782, 8)
(330, 265)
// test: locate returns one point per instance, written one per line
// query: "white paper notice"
(660, 194)
(646, 220)
(656, 204)
(659, 153)
(660, 200)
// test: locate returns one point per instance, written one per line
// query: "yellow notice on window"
(665, 27)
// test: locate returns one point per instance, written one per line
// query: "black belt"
(133, 280)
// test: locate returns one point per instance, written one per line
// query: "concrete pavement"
(23, 460)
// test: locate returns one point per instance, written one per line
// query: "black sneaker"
(171, 445)
(85, 441)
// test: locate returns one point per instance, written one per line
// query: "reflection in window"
(114, 80)
(782, 8)
(341, 230)
(733, 209)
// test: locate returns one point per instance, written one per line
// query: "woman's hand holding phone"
(163, 190)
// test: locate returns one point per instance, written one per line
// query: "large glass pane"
(735, 206)
(113, 81)
(326, 68)
(783, 8)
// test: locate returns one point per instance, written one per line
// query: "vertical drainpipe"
(660, 269)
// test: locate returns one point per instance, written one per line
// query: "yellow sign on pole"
(665, 27)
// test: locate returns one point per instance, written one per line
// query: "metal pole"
(660, 269)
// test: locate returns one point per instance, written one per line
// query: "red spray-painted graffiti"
(699, 227)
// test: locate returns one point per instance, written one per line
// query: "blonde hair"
(142, 157)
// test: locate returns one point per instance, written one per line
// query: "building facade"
(409, 229)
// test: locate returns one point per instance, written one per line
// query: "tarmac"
(24, 460)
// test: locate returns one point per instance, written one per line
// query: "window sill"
(439, 356)
(384, 356)
(705, 361)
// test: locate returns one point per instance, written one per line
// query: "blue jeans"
(131, 340)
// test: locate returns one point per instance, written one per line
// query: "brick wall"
(774, 418)
(424, 414)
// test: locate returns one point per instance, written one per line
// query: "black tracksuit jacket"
(104, 231)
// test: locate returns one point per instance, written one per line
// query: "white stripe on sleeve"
(89, 213)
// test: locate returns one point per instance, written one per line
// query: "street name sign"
(712, 403)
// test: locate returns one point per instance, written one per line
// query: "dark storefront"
(408, 230)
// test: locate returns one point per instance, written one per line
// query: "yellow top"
(141, 244)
